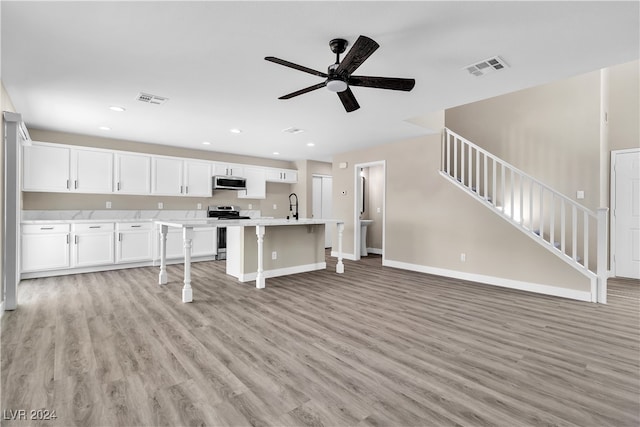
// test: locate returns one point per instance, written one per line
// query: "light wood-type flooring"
(375, 346)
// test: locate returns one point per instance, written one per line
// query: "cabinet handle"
(75, 239)
(46, 228)
(181, 189)
(136, 226)
(67, 238)
(186, 189)
(75, 184)
(119, 237)
(68, 187)
(95, 226)
(118, 186)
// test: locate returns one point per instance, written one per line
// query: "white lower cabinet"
(93, 244)
(134, 243)
(203, 243)
(45, 247)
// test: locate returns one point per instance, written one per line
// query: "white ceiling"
(64, 63)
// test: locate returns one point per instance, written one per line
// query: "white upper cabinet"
(133, 173)
(48, 167)
(180, 177)
(228, 169)
(256, 184)
(166, 176)
(282, 175)
(91, 171)
(197, 178)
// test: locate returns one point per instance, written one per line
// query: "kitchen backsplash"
(53, 215)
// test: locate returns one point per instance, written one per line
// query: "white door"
(626, 170)
(321, 203)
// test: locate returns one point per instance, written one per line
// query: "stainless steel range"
(224, 213)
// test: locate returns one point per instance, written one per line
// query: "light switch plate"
(580, 194)
(160, 205)
(108, 205)
(199, 205)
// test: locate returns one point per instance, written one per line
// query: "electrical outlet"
(250, 206)
(580, 194)
(274, 255)
(378, 210)
(199, 206)
(108, 205)
(275, 206)
(463, 257)
(160, 205)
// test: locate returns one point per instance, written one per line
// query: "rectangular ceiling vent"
(487, 66)
(151, 99)
(292, 130)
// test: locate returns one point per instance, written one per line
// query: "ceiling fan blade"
(301, 91)
(295, 66)
(361, 50)
(348, 100)
(391, 83)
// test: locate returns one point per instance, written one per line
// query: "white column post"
(260, 273)
(340, 265)
(162, 279)
(187, 234)
(602, 243)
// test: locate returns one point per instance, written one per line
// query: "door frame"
(356, 202)
(612, 205)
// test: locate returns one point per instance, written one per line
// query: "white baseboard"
(249, 277)
(495, 281)
(376, 251)
(351, 257)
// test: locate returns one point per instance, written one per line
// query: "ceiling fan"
(338, 76)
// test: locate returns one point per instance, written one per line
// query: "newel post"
(603, 244)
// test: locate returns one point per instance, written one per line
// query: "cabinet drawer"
(124, 226)
(45, 228)
(83, 228)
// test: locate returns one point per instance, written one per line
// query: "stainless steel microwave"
(223, 182)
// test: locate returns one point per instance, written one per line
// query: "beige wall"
(304, 187)
(277, 193)
(624, 106)
(429, 222)
(5, 105)
(551, 132)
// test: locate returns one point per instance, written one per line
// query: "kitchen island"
(299, 236)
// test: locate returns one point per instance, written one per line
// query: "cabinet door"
(167, 176)
(290, 176)
(46, 251)
(45, 168)
(133, 246)
(197, 178)
(133, 174)
(228, 169)
(93, 248)
(92, 171)
(256, 184)
(204, 241)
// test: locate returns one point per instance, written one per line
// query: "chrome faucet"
(291, 206)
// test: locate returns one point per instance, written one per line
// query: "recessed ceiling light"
(310, 144)
(235, 130)
(104, 128)
(117, 108)
(206, 143)
(275, 153)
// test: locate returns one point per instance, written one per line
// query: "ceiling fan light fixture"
(337, 85)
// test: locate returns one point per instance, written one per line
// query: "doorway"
(625, 218)
(321, 207)
(369, 205)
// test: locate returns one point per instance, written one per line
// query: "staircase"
(569, 230)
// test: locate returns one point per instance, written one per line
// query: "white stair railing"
(573, 232)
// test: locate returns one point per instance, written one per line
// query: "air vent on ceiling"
(488, 65)
(292, 130)
(151, 99)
